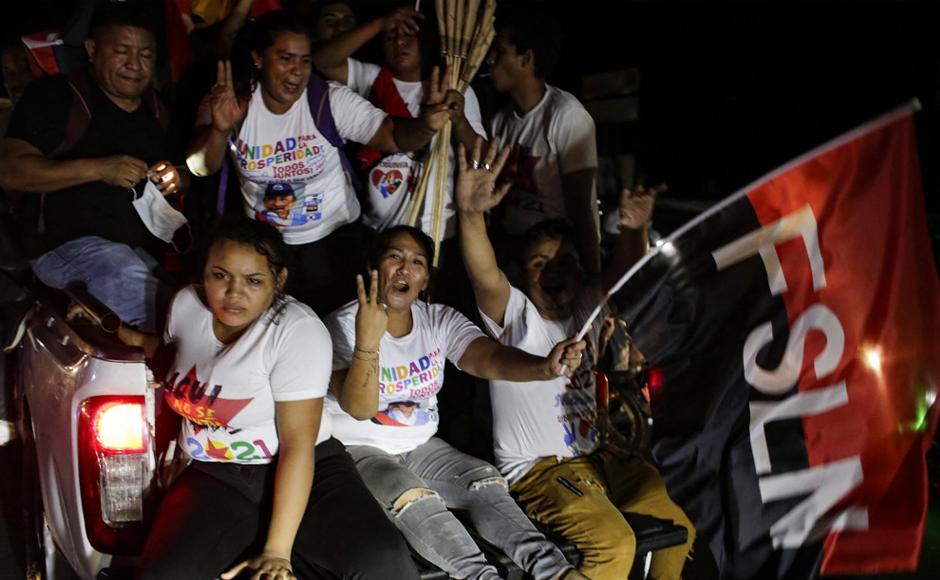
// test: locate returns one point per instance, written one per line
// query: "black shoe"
(13, 318)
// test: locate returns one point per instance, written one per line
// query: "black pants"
(216, 515)
(322, 274)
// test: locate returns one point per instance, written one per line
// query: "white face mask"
(157, 214)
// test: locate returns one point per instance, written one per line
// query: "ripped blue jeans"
(460, 482)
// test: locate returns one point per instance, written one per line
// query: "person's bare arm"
(150, 343)
(207, 150)
(231, 25)
(24, 168)
(357, 388)
(487, 359)
(635, 211)
(476, 193)
(298, 423)
(330, 58)
(577, 188)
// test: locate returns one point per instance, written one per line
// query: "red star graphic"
(217, 450)
(519, 169)
(201, 404)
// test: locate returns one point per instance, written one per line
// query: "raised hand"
(404, 20)
(636, 206)
(372, 318)
(476, 190)
(565, 358)
(436, 110)
(227, 109)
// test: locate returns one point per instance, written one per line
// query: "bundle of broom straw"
(466, 30)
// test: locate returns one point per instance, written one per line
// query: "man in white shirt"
(554, 153)
(548, 442)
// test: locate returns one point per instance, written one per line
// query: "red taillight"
(601, 390)
(115, 469)
(120, 428)
(654, 382)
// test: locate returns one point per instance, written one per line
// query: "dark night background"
(727, 91)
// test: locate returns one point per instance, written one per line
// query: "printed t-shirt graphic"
(388, 201)
(227, 393)
(553, 139)
(555, 418)
(289, 149)
(411, 372)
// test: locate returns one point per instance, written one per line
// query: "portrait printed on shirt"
(283, 179)
(281, 206)
(407, 392)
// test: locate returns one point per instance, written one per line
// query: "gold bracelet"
(367, 351)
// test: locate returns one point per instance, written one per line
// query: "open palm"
(476, 190)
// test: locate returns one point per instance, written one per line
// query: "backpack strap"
(226, 170)
(159, 110)
(318, 97)
(79, 117)
(77, 122)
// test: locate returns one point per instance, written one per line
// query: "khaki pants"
(582, 499)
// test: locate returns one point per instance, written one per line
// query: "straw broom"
(466, 34)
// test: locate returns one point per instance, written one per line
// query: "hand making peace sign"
(227, 108)
(372, 318)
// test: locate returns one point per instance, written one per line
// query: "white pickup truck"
(86, 415)
(90, 437)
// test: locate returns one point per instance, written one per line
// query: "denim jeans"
(459, 482)
(119, 276)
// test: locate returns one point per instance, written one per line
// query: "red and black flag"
(792, 331)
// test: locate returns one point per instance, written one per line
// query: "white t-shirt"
(543, 418)
(411, 372)
(394, 178)
(553, 139)
(313, 195)
(226, 393)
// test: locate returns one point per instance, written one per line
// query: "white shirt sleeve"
(514, 316)
(356, 118)
(342, 326)
(574, 139)
(361, 75)
(456, 332)
(302, 364)
(181, 308)
(471, 110)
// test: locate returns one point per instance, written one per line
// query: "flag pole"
(666, 245)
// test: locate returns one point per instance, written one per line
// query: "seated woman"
(250, 372)
(389, 354)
